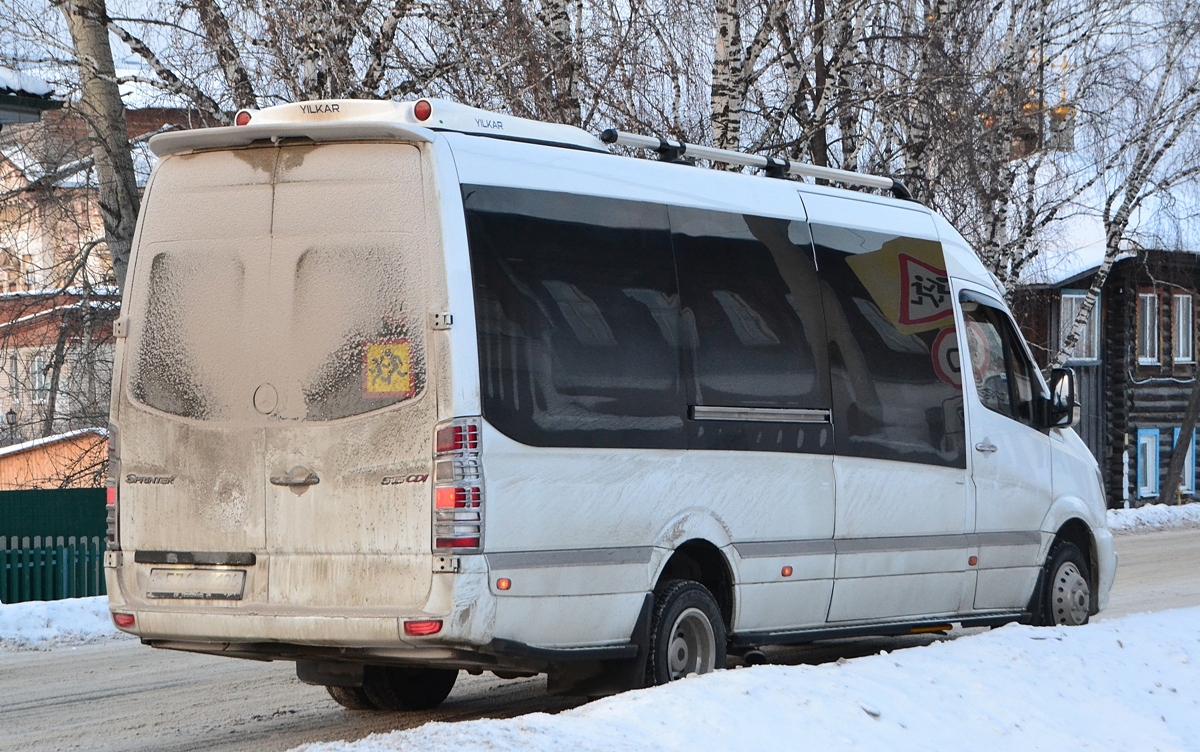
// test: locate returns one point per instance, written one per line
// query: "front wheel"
(687, 633)
(1067, 595)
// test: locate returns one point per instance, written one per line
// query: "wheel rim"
(693, 648)
(1072, 595)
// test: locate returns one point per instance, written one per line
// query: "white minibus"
(409, 388)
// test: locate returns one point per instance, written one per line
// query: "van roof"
(417, 120)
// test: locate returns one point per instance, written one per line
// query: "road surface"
(124, 697)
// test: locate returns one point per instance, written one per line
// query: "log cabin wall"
(1152, 385)
(1123, 399)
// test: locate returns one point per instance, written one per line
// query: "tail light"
(111, 510)
(457, 487)
(422, 628)
(112, 499)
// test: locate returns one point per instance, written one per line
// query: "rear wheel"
(687, 634)
(351, 698)
(1068, 592)
(407, 688)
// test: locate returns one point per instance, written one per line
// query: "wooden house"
(75, 459)
(1136, 361)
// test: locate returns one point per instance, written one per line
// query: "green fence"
(51, 544)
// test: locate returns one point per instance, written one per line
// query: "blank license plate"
(206, 584)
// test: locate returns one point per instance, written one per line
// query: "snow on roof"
(21, 84)
(78, 173)
(99, 305)
(46, 440)
(94, 291)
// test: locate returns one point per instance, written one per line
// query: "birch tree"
(1148, 145)
(101, 107)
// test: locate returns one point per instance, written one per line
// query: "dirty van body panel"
(903, 508)
(611, 338)
(278, 370)
(1011, 457)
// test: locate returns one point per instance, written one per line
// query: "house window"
(1184, 333)
(1187, 480)
(1147, 329)
(1147, 466)
(30, 272)
(40, 379)
(14, 380)
(1087, 347)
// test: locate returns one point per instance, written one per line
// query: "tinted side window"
(753, 332)
(1004, 377)
(578, 318)
(894, 361)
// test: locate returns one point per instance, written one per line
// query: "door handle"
(986, 447)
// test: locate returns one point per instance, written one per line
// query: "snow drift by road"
(44, 625)
(1153, 517)
(1128, 684)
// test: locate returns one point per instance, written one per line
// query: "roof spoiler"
(179, 142)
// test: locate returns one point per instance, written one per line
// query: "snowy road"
(122, 696)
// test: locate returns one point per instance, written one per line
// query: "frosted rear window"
(312, 312)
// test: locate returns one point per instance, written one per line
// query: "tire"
(687, 633)
(407, 688)
(1067, 592)
(351, 698)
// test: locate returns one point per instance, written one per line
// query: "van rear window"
(306, 306)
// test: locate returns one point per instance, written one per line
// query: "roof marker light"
(242, 118)
(422, 109)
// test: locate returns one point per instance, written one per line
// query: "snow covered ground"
(1128, 684)
(1154, 517)
(45, 625)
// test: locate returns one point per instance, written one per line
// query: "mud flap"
(330, 673)
(603, 678)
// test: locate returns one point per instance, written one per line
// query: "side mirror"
(1062, 410)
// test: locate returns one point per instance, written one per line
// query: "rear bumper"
(461, 600)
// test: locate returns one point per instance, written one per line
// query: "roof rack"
(676, 151)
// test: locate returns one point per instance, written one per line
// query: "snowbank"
(42, 625)
(1127, 684)
(1153, 517)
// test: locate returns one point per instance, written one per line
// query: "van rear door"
(276, 369)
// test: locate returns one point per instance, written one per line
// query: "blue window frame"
(1147, 462)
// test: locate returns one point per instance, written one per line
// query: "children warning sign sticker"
(387, 369)
(907, 280)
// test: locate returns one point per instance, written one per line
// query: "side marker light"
(972, 561)
(786, 571)
(503, 583)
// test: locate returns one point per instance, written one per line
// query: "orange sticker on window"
(387, 369)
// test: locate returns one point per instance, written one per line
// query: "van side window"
(897, 388)
(753, 329)
(1003, 375)
(578, 318)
